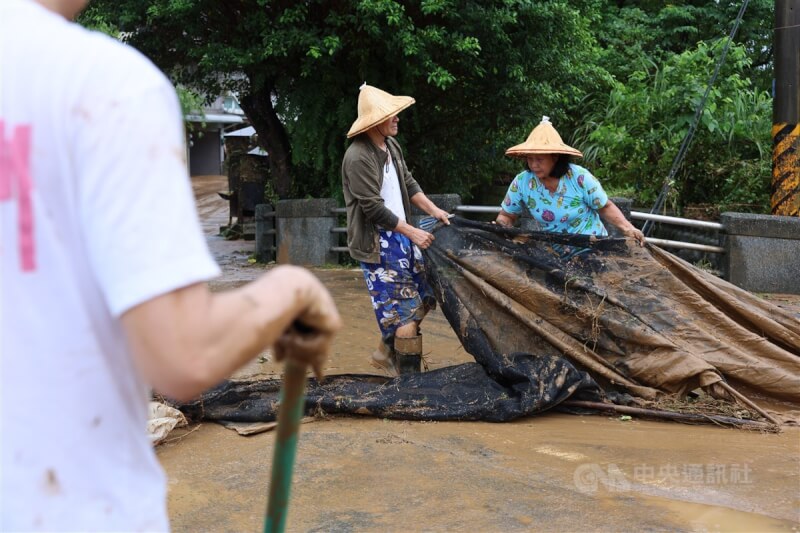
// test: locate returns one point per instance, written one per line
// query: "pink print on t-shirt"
(15, 180)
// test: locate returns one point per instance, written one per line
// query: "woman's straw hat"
(544, 139)
(375, 106)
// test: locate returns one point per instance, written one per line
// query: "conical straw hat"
(544, 139)
(375, 106)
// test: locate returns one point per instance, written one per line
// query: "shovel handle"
(290, 412)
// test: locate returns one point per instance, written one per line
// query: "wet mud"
(553, 472)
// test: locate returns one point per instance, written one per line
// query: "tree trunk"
(257, 104)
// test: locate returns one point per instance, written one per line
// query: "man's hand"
(425, 204)
(190, 339)
(308, 340)
(441, 215)
(420, 237)
(319, 314)
(308, 348)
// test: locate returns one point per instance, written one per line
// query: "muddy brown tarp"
(549, 317)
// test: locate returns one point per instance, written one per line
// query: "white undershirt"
(390, 190)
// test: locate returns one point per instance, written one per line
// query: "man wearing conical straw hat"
(378, 191)
(561, 196)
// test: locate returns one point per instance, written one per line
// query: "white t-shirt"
(390, 189)
(96, 216)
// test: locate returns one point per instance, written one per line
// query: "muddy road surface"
(554, 472)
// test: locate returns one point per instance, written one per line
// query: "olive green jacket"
(362, 179)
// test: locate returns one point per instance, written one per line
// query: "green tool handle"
(290, 412)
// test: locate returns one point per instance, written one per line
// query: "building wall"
(205, 154)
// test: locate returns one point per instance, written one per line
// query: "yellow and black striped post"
(785, 199)
(786, 169)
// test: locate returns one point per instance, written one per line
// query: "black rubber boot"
(408, 354)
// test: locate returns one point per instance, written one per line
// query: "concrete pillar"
(762, 252)
(448, 202)
(304, 231)
(265, 233)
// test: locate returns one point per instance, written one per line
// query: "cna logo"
(16, 184)
(589, 477)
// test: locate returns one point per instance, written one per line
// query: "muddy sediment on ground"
(553, 472)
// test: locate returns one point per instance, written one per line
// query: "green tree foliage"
(638, 33)
(482, 74)
(633, 140)
(99, 20)
(662, 55)
(621, 79)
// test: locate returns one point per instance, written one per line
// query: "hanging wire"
(687, 139)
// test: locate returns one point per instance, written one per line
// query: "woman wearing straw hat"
(378, 191)
(561, 196)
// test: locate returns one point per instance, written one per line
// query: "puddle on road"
(710, 519)
(367, 474)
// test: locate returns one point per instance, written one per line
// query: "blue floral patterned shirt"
(572, 208)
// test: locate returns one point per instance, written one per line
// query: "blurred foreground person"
(102, 293)
(378, 192)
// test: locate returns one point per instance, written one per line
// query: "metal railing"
(636, 215)
(340, 249)
(677, 221)
(687, 222)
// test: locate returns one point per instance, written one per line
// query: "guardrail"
(757, 252)
(340, 249)
(687, 222)
(636, 215)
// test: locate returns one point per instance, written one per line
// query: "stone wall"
(763, 252)
(305, 231)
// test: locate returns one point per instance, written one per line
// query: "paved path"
(553, 472)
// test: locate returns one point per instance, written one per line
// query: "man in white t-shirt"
(378, 192)
(102, 271)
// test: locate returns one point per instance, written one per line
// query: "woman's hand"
(504, 219)
(635, 234)
(610, 213)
